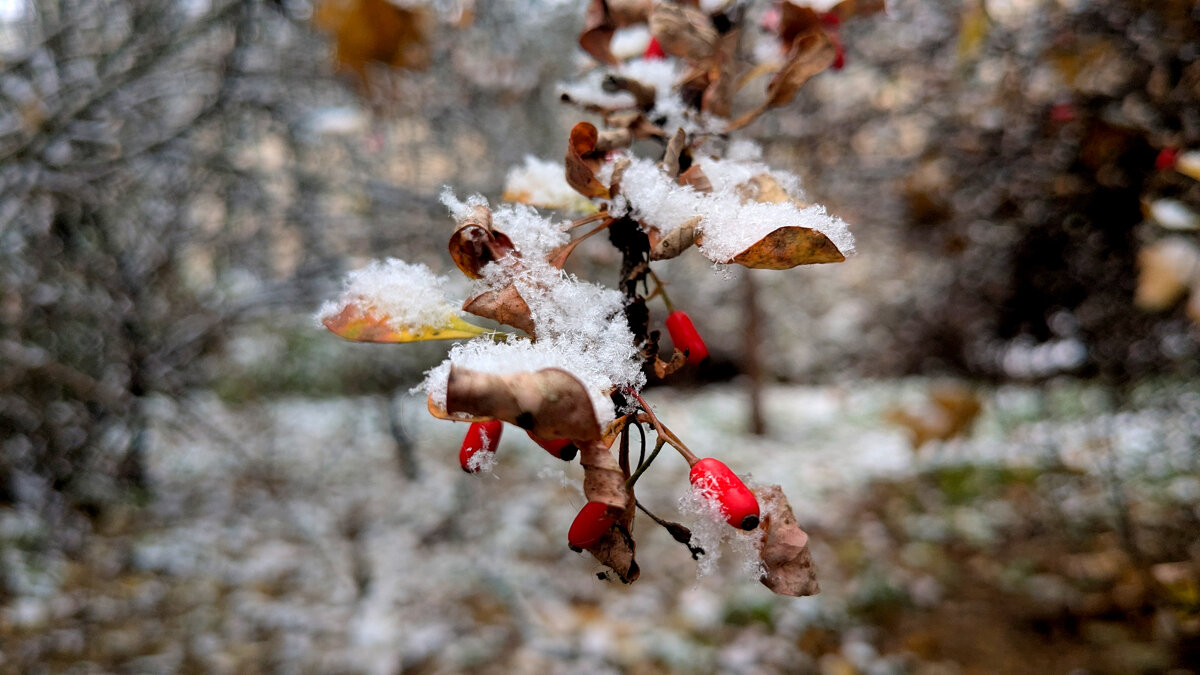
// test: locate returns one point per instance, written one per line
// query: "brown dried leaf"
(583, 161)
(695, 177)
(789, 568)
(636, 123)
(612, 139)
(665, 368)
(949, 413)
(604, 481)
(550, 402)
(643, 94)
(618, 173)
(808, 56)
(675, 147)
(796, 22)
(851, 8)
(603, 19)
(475, 244)
(683, 32)
(718, 96)
(504, 305)
(788, 247)
(375, 31)
(442, 414)
(675, 242)
(1166, 269)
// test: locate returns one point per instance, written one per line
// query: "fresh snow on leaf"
(581, 326)
(407, 296)
(728, 225)
(543, 183)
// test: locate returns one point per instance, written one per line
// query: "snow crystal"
(729, 226)
(710, 531)
(662, 74)
(543, 183)
(460, 210)
(409, 295)
(580, 326)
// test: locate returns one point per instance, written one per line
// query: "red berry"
(1063, 113)
(562, 448)
(654, 50)
(1167, 157)
(482, 437)
(590, 525)
(829, 19)
(713, 480)
(685, 337)
(839, 53)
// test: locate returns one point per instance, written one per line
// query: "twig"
(662, 430)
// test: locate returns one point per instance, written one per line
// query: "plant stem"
(560, 257)
(660, 289)
(642, 466)
(663, 431)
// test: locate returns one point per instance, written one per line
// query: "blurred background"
(988, 420)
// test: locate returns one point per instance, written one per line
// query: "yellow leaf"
(352, 323)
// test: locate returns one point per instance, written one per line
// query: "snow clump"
(408, 296)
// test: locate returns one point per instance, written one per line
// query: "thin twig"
(663, 431)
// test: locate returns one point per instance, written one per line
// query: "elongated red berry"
(685, 336)
(479, 445)
(562, 448)
(590, 525)
(713, 480)
(1167, 158)
(654, 50)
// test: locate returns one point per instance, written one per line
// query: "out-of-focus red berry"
(481, 437)
(685, 336)
(562, 448)
(713, 480)
(1063, 113)
(1166, 159)
(654, 50)
(590, 525)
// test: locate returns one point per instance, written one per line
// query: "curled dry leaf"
(637, 124)
(811, 53)
(442, 414)
(718, 95)
(675, 242)
(550, 402)
(643, 94)
(475, 244)
(583, 161)
(604, 17)
(787, 563)
(850, 8)
(604, 481)
(353, 323)
(375, 31)
(504, 305)
(665, 368)
(683, 32)
(671, 156)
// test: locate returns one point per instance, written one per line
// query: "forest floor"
(1056, 531)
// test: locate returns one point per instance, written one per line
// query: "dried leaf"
(612, 139)
(851, 8)
(504, 305)
(675, 242)
(550, 402)
(603, 19)
(475, 244)
(949, 413)
(796, 22)
(675, 147)
(723, 83)
(788, 565)
(604, 481)
(353, 323)
(808, 56)
(1166, 269)
(788, 247)
(643, 94)
(636, 123)
(683, 32)
(665, 368)
(695, 177)
(583, 161)
(442, 414)
(375, 31)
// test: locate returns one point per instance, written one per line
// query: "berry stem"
(599, 215)
(663, 431)
(645, 464)
(560, 258)
(660, 289)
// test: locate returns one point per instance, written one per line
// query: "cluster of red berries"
(710, 477)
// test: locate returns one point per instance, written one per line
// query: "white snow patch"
(543, 183)
(410, 296)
